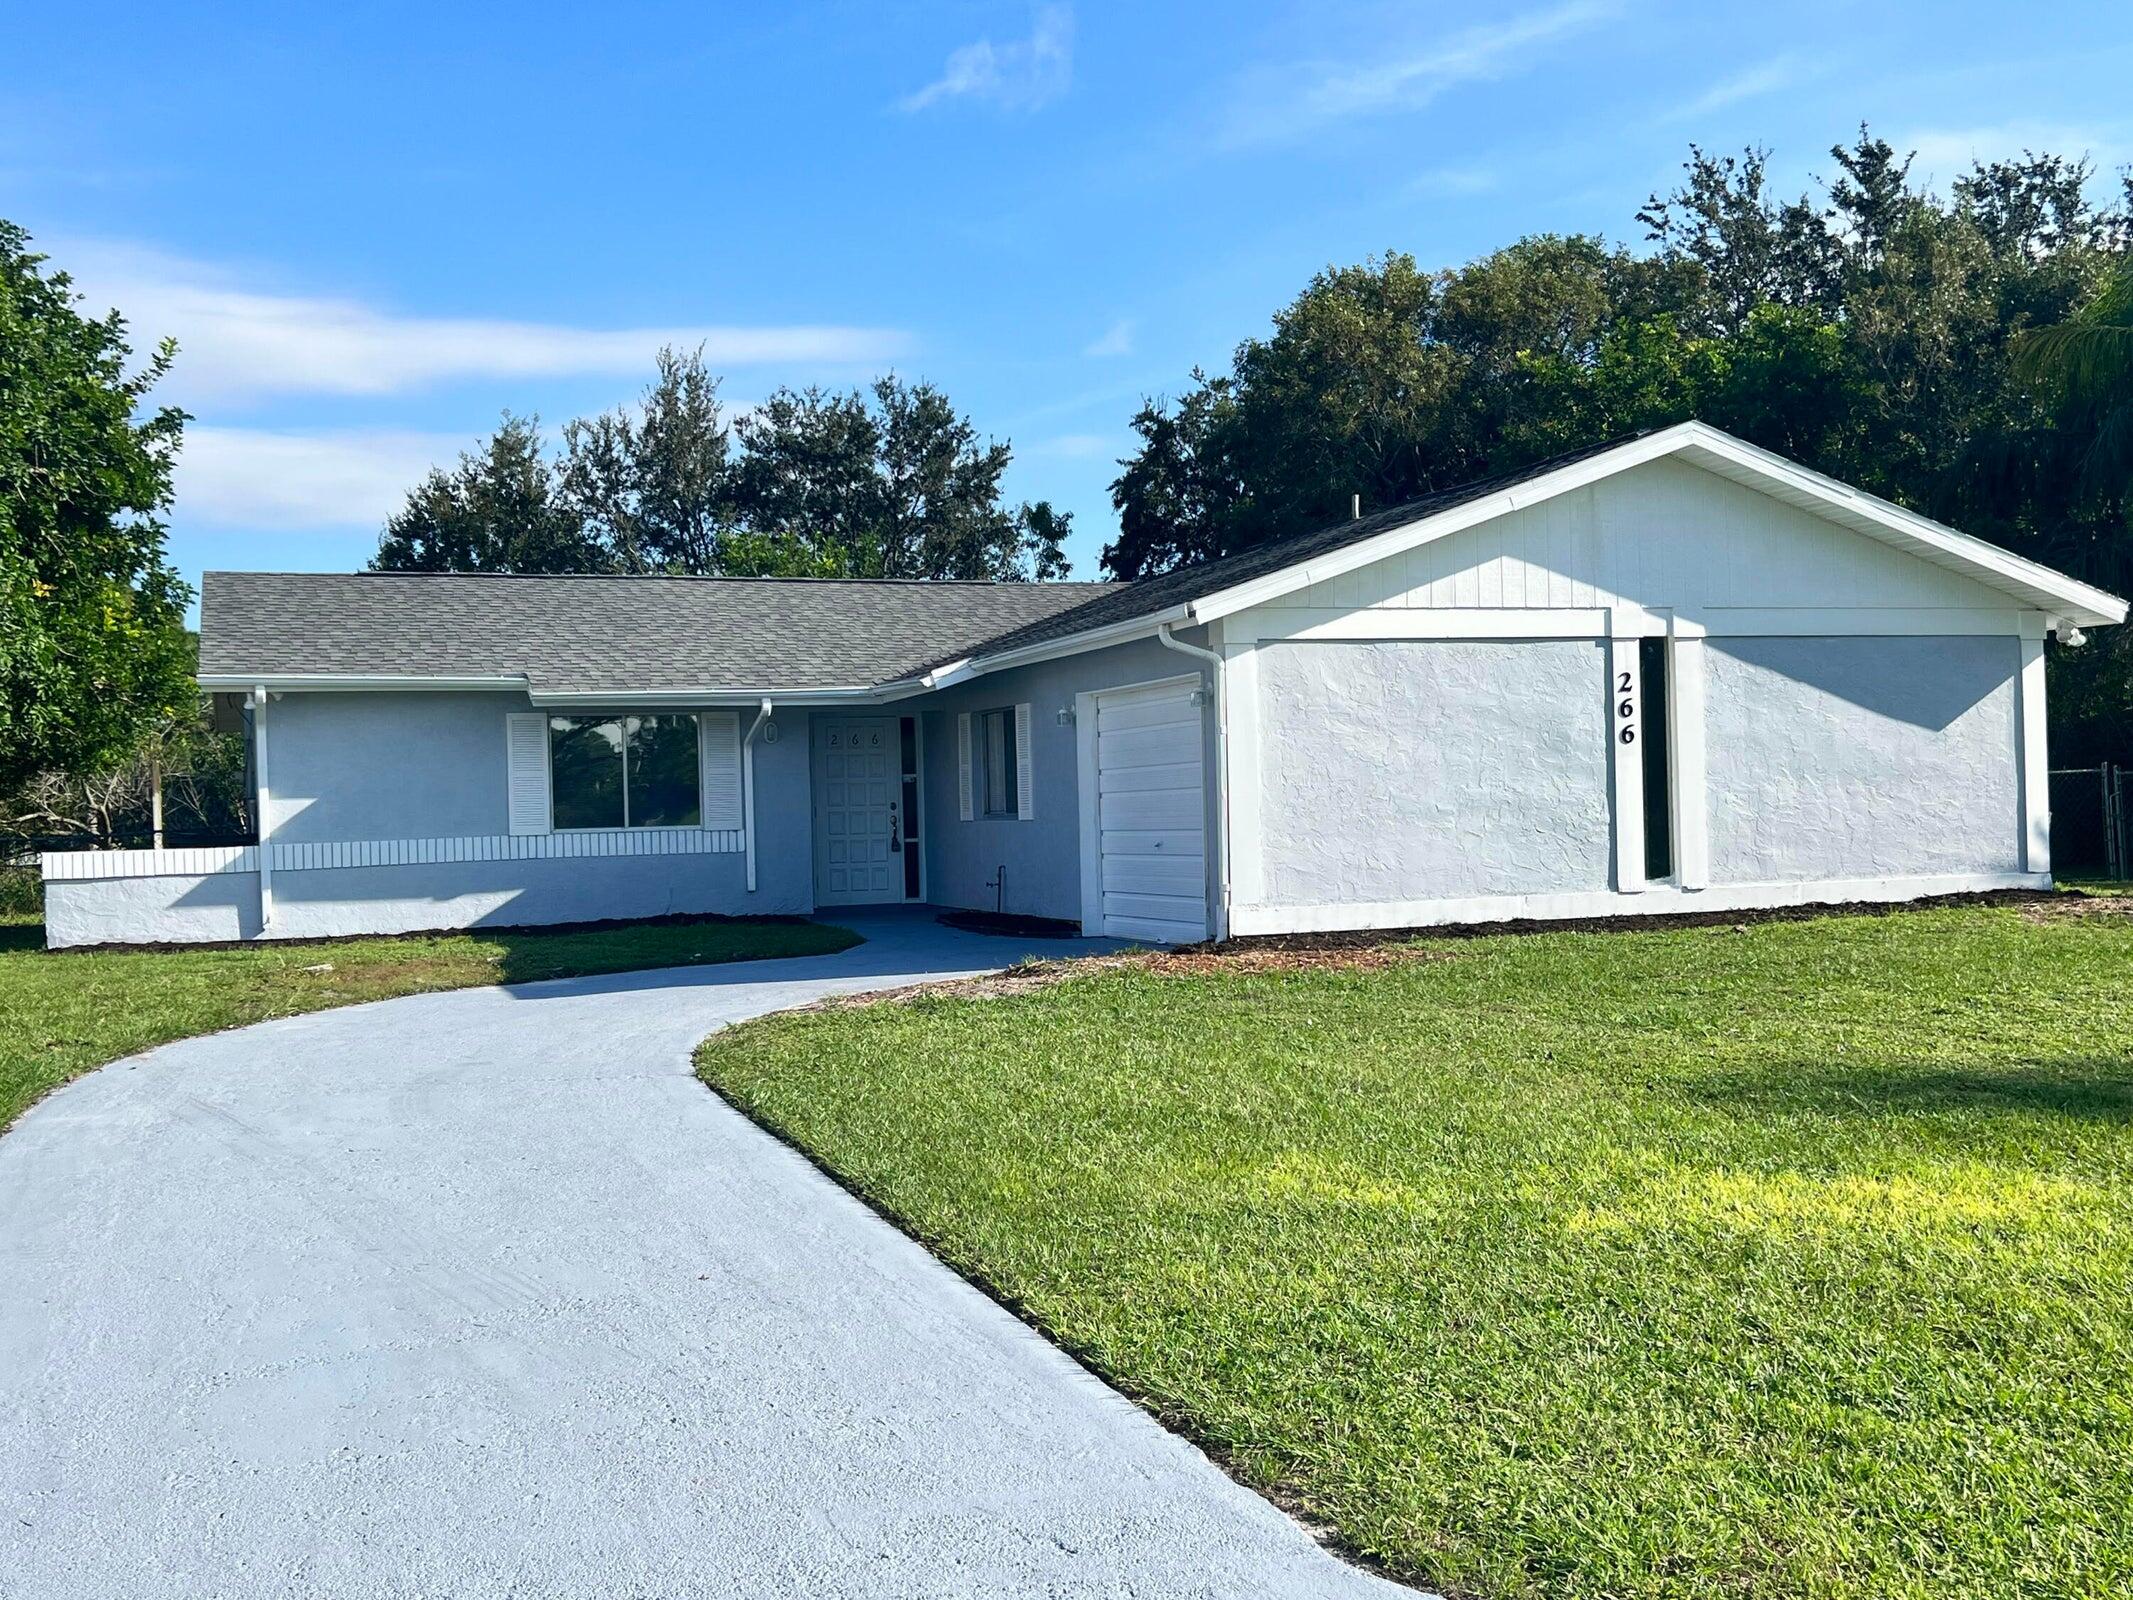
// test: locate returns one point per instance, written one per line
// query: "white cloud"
(1021, 75)
(1945, 154)
(1779, 72)
(1116, 340)
(1275, 106)
(237, 341)
(250, 478)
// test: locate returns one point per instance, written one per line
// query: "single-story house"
(1675, 673)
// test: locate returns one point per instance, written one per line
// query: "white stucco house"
(1675, 673)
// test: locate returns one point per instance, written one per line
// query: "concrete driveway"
(483, 1294)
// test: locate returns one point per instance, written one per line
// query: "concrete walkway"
(482, 1294)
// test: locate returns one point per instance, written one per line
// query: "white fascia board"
(1073, 644)
(329, 682)
(2001, 569)
(703, 697)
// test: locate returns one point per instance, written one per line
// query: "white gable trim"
(2037, 587)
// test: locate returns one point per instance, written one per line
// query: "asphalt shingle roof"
(593, 634)
(589, 634)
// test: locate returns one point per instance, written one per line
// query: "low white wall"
(403, 886)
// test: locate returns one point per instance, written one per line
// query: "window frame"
(987, 751)
(623, 721)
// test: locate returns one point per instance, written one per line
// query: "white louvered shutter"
(526, 771)
(1025, 791)
(718, 748)
(962, 755)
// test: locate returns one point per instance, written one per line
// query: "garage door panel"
(1141, 780)
(1147, 747)
(1169, 709)
(1169, 808)
(1186, 875)
(1151, 803)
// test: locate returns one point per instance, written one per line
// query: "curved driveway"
(482, 1293)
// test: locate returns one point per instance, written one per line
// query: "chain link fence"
(2092, 831)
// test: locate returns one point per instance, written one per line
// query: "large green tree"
(92, 641)
(886, 482)
(1869, 331)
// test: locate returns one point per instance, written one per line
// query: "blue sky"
(374, 227)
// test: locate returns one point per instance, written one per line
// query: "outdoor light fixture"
(1064, 716)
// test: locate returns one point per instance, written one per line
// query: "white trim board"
(1275, 624)
(571, 845)
(1657, 898)
(185, 861)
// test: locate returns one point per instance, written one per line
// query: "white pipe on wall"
(748, 785)
(1214, 661)
(260, 819)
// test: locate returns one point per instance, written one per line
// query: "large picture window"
(624, 772)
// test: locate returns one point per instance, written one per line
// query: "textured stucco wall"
(1042, 855)
(387, 766)
(1861, 757)
(195, 909)
(1419, 770)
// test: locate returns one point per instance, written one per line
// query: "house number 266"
(1626, 707)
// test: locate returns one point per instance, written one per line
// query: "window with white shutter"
(526, 771)
(1025, 791)
(720, 749)
(962, 750)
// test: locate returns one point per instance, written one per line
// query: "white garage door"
(1151, 814)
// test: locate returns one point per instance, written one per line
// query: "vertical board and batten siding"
(1665, 534)
(1151, 807)
(1847, 720)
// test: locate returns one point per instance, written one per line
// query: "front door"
(859, 843)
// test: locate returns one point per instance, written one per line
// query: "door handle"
(896, 836)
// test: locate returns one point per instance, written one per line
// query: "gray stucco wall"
(1861, 757)
(1422, 770)
(1042, 855)
(387, 766)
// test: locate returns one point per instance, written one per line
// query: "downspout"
(748, 786)
(1214, 661)
(260, 805)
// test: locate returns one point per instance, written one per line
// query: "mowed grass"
(63, 1012)
(1791, 1261)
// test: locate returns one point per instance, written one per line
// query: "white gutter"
(1214, 661)
(265, 799)
(748, 786)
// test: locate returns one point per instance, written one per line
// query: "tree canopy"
(885, 482)
(1871, 331)
(93, 649)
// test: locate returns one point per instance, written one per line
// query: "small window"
(1658, 759)
(624, 772)
(996, 761)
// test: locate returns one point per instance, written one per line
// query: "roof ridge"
(693, 577)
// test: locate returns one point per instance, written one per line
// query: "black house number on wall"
(1626, 706)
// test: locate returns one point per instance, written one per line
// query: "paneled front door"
(858, 795)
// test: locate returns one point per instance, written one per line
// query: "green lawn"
(63, 1012)
(1791, 1261)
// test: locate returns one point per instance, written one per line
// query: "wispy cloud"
(239, 341)
(1944, 154)
(1020, 75)
(1116, 340)
(1278, 105)
(1779, 72)
(254, 478)
(1444, 183)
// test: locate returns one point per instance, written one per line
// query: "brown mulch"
(1373, 949)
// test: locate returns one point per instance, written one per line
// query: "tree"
(2085, 365)
(497, 511)
(92, 640)
(1871, 334)
(886, 482)
(655, 490)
